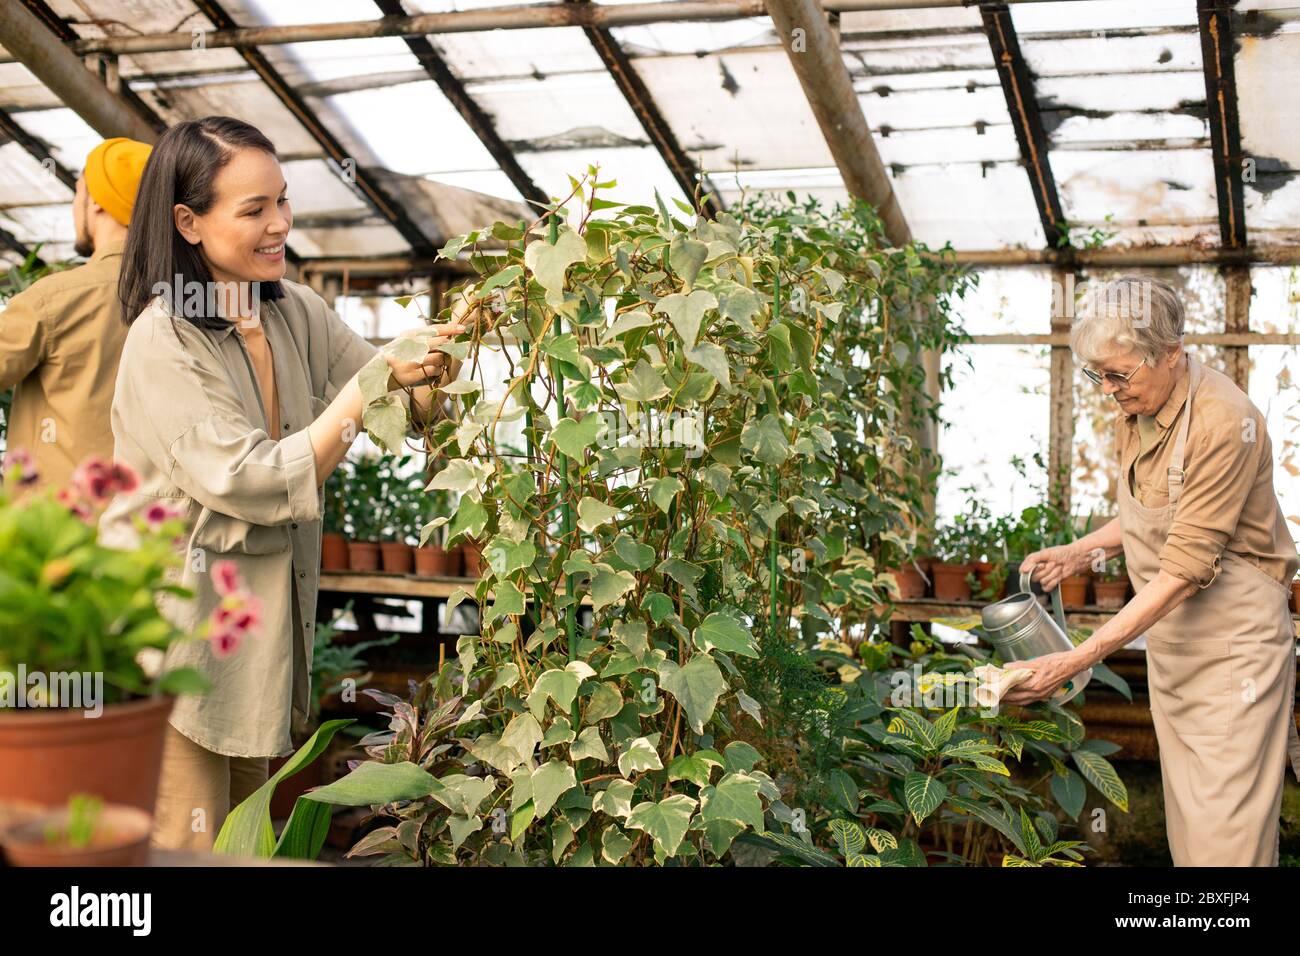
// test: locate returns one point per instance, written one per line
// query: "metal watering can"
(1021, 630)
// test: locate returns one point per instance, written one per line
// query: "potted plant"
(1111, 583)
(400, 501)
(432, 558)
(1074, 589)
(363, 477)
(86, 833)
(83, 637)
(954, 553)
(334, 522)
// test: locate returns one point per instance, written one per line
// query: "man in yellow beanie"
(61, 338)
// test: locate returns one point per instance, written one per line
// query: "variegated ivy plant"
(622, 740)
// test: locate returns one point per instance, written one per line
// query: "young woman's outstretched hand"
(435, 366)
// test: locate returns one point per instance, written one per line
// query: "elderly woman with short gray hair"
(1211, 561)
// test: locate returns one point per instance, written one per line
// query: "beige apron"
(1221, 674)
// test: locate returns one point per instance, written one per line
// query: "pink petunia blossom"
(158, 514)
(67, 498)
(124, 478)
(224, 643)
(226, 579)
(20, 460)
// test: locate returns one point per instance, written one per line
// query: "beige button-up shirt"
(59, 344)
(188, 417)
(1228, 502)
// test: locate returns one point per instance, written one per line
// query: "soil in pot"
(397, 557)
(910, 583)
(333, 552)
(435, 562)
(950, 582)
(121, 838)
(1110, 594)
(48, 755)
(363, 556)
(1074, 590)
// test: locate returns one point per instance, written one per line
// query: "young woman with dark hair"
(236, 397)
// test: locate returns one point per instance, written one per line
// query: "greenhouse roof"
(994, 126)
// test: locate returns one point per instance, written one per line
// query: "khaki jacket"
(59, 345)
(188, 417)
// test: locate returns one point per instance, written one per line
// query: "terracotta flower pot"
(333, 552)
(472, 557)
(121, 838)
(950, 582)
(985, 572)
(435, 562)
(1074, 590)
(1111, 594)
(363, 556)
(397, 557)
(910, 583)
(48, 755)
(288, 791)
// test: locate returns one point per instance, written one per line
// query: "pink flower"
(158, 514)
(225, 643)
(68, 499)
(97, 480)
(20, 460)
(226, 579)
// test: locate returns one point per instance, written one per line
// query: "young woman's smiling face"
(242, 236)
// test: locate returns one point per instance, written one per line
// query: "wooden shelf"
(392, 585)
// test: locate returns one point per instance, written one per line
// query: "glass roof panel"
(723, 109)
(974, 207)
(315, 187)
(26, 180)
(868, 55)
(357, 240)
(252, 102)
(20, 90)
(1101, 15)
(1109, 55)
(65, 134)
(824, 184)
(33, 224)
(561, 112)
(638, 170)
(1154, 196)
(1267, 61)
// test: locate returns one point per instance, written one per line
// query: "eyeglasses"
(1118, 379)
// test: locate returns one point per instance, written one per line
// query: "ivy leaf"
(686, 312)
(509, 600)
(588, 745)
(471, 518)
(504, 556)
(696, 767)
(625, 323)
(686, 256)
(592, 514)
(608, 585)
(373, 378)
(639, 555)
(643, 384)
(575, 437)
(683, 572)
(615, 800)
(766, 439)
(664, 490)
(713, 359)
(735, 798)
(666, 822)
(632, 635)
(606, 701)
(558, 685)
(386, 422)
(697, 687)
(725, 633)
(614, 844)
(563, 347)
(639, 757)
(549, 262)
(550, 781)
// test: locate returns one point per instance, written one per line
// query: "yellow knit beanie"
(113, 171)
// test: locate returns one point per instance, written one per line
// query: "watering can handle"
(1058, 609)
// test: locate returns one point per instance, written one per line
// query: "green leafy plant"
(78, 831)
(69, 604)
(332, 661)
